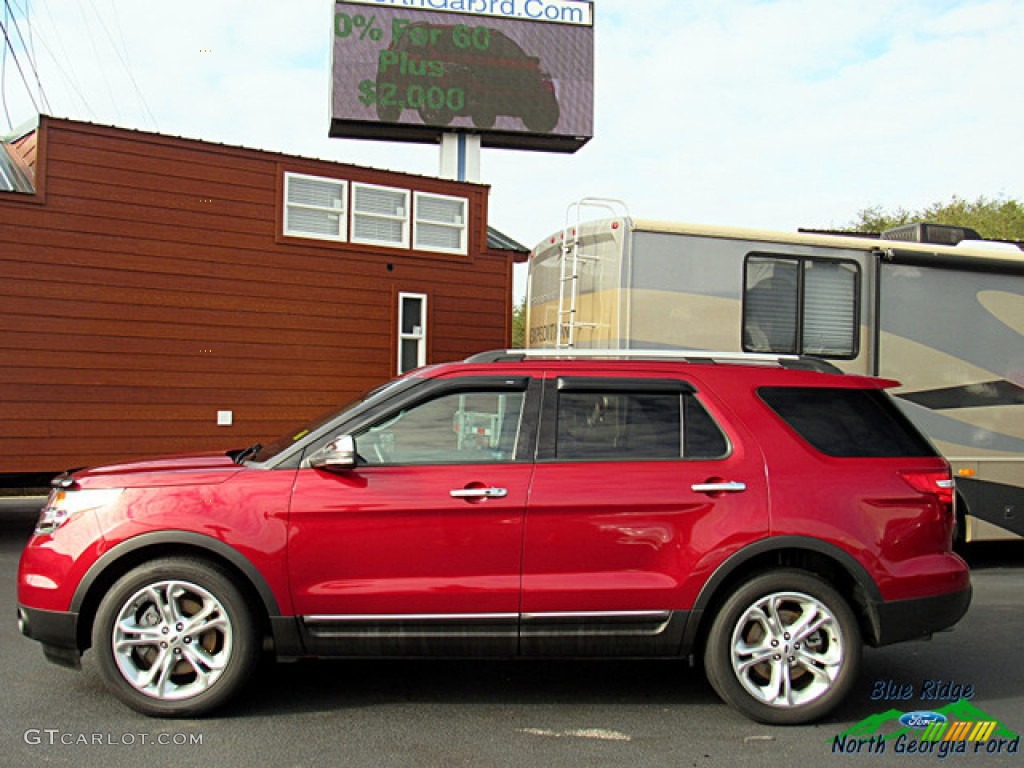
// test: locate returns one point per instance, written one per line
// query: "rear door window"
(610, 424)
(847, 423)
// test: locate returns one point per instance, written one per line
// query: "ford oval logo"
(921, 719)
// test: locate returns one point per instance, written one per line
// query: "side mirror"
(339, 455)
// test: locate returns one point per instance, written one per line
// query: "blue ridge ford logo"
(921, 719)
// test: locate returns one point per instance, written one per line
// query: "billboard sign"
(518, 72)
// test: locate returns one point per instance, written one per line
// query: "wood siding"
(147, 286)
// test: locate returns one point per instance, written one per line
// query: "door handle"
(479, 493)
(719, 487)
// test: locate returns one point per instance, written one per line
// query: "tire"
(175, 638)
(762, 660)
(439, 117)
(388, 114)
(542, 115)
(485, 118)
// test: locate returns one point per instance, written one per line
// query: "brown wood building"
(161, 295)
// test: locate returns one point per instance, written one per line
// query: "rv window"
(798, 305)
(772, 305)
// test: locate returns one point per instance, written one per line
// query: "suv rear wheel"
(175, 637)
(784, 648)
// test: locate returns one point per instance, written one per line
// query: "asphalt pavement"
(479, 714)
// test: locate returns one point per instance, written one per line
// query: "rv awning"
(1003, 263)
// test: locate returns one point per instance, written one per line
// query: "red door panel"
(609, 533)
(393, 540)
(637, 535)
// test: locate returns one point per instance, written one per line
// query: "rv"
(933, 307)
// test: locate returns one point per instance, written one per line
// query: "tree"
(994, 219)
(519, 325)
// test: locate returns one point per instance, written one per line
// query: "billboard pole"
(460, 156)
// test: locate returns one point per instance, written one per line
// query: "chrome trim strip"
(661, 615)
(411, 617)
(458, 617)
(595, 624)
(382, 631)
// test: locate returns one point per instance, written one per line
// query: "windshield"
(273, 448)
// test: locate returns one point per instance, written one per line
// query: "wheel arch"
(827, 561)
(129, 554)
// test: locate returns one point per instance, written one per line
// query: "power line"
(123, 57)
(17, 63)
(96, 52)
(3, 83)
(29, 53)
(21, 48)
(57, 60)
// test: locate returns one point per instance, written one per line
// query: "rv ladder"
(571, 262)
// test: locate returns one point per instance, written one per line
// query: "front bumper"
(57, 631)
(901, 620)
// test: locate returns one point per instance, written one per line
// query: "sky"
(773, 114)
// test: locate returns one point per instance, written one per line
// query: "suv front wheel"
(784, 648)
(175, 638)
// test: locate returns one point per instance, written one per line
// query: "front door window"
(459, 428)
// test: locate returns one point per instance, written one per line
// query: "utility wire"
(63, 56)
(90, 13)
(14, 55)
(31, 59)
(122, 54)
(3, 83)
(96, 53)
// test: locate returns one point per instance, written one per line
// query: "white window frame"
(462, 227)
(419, 334)
(403, 216)
(342, 212)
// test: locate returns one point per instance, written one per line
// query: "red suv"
(767, 513)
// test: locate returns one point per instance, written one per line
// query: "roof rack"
(796, 362)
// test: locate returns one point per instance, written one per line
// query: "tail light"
(941, 484)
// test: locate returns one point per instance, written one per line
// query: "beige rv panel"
(865, 244)
(576, 277)
(948, 327)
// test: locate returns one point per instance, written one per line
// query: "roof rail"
(798, 362)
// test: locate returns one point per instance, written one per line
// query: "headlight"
(62, 504)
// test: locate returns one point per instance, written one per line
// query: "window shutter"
(771, 306)
(380, 215)
(314, 207)
(441, 223)
(829, 309)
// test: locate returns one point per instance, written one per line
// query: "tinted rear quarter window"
(847, 423)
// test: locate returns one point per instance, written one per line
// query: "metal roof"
(501, 242)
